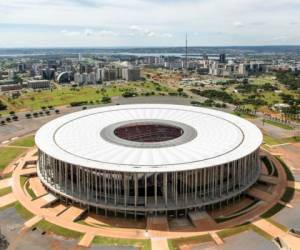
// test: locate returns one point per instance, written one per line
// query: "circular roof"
(209, 138)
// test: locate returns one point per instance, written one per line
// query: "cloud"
(70, 33)
(238, 24)
(138, 30)
(89, 33)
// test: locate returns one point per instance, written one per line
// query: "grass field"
(279, 124)
(261, 232)
(47, 226)
(65, 95)
(140, 244)
(276, 224)
(27, 141)
(274, 210)
(9, 154)
(234, 230)
(287, 170)
(5, 191)
(275, 141)
(27, 215)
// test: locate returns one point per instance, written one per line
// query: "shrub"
(79, 103)
(129, 94)
(106, 99)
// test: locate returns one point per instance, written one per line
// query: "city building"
(48, 74)
(131, 74)
(146, 159)
(38, 84)
(64, 77)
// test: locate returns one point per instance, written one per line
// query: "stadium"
(148, 159)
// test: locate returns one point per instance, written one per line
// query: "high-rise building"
(131, 74)
(222, 58)
(48, 74)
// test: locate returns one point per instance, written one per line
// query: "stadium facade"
(148, 158)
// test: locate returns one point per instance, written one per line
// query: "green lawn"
(279, 124)
(276, 224)
(65, 95)
(27, 215)
(234, 230)
(274, 210)
(271, 169)
(7, 206)
(47, 226)
(288, 172)
(9, 154)
(274, 141)
(107, 241)
(30, 191)
(261, 232)
(27, 141)
(288, 194)
(5, 191)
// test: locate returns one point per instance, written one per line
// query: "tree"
(180, 90)
(3, 242)
(2, 106)
(106, 99)
(12, 112)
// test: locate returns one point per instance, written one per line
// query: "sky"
(144, 23)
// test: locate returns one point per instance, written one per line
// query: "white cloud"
(238, 24)
(138, 30)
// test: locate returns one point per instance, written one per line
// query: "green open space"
(174, 244)
(276, 224)
(107, 241)
(30, 191)
(7, 206)
(34, 100)
(287, 170)
(234, 230)
(270, 167)
(27, 141)
(7, 155)
(27, 215)
(273, 210)
(49, 227)
(4, 191)
(275, 141)
(279, 124)
(261, 232)
(288, 194)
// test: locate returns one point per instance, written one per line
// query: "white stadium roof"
(220, 138)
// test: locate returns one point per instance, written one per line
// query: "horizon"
(150, 47)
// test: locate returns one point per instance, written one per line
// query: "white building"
(38, 84)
